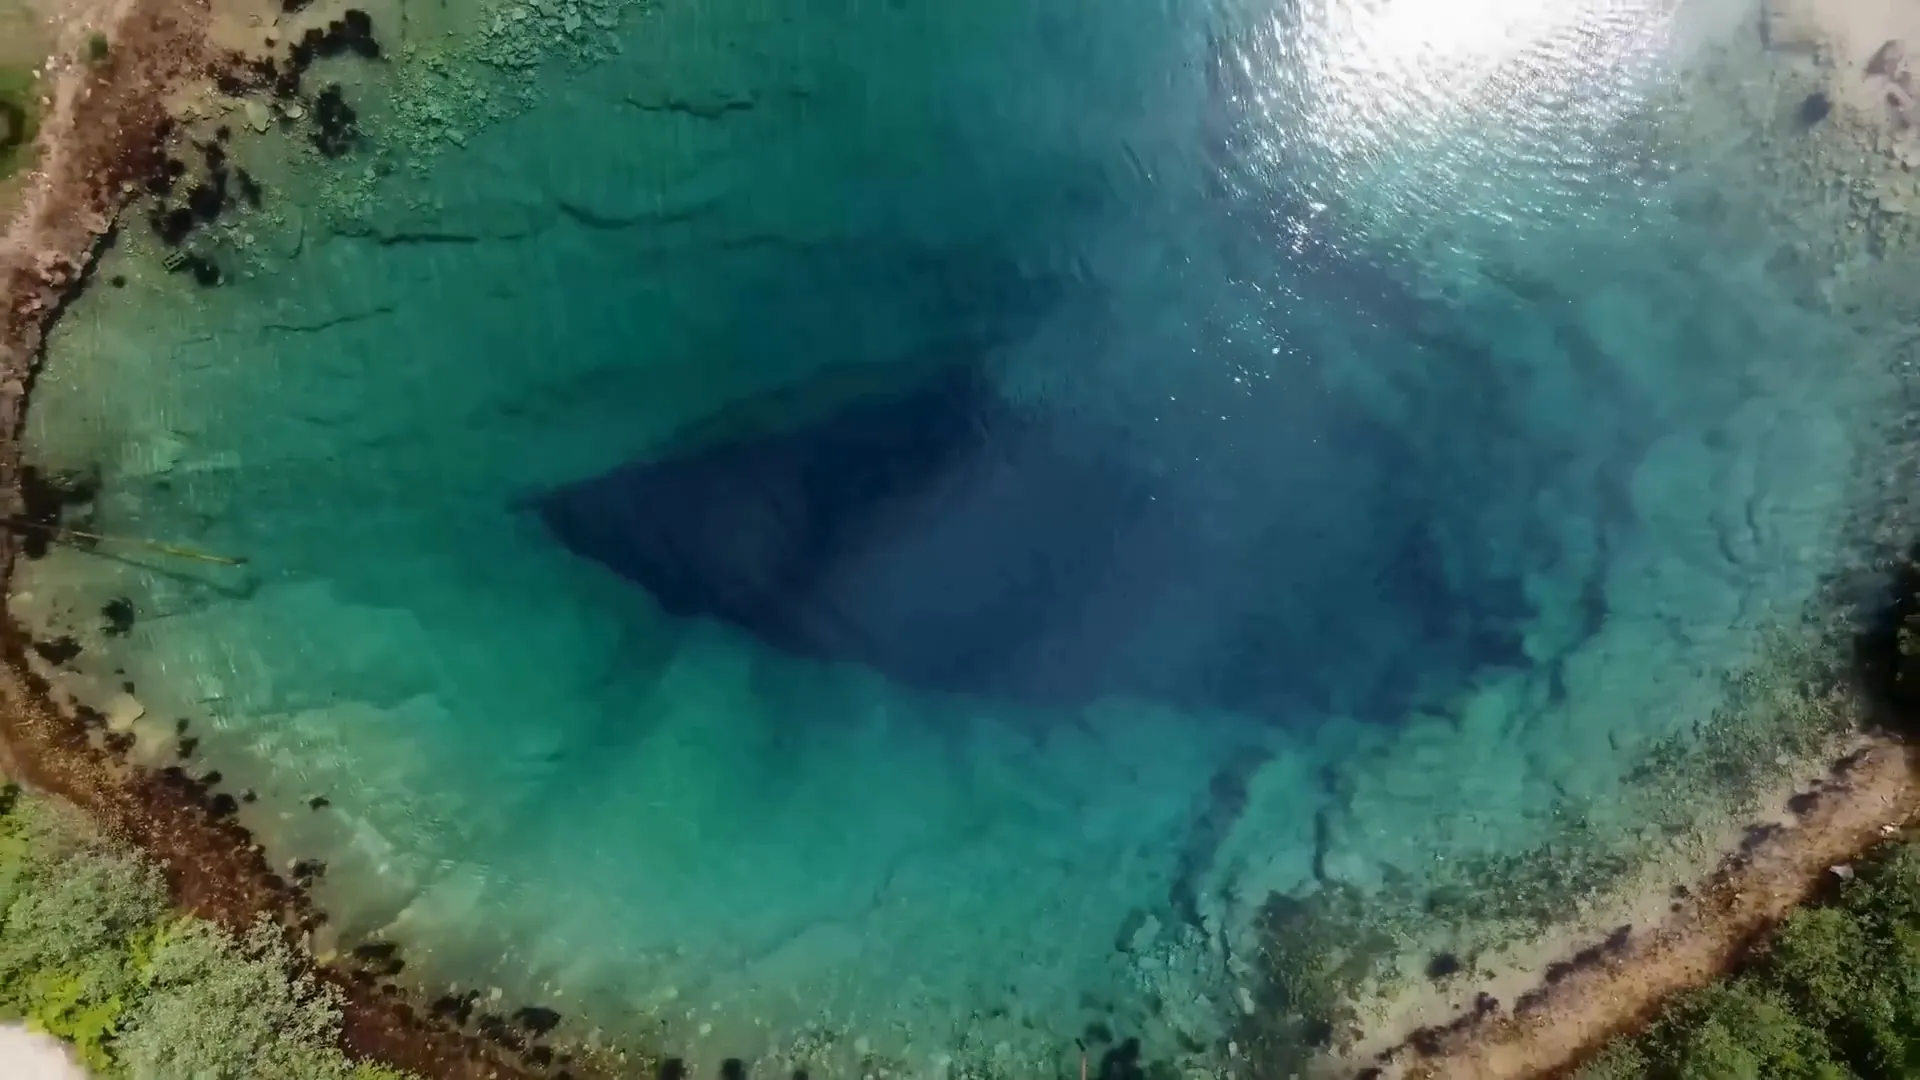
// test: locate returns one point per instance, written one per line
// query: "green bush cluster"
(1834, 995)
(90, 952)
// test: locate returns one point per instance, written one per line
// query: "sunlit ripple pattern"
(1422, 108)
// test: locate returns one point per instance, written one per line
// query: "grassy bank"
(90, 952)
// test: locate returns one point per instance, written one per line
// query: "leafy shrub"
(89, 952)
(216, 1009)
(69, 911)
(1738, 1031)
(1834, 996)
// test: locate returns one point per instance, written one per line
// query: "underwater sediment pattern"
(890, 532)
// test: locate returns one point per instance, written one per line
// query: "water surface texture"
(894, 530)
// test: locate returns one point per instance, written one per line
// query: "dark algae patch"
(19, 118)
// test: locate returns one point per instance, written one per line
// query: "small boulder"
(1814, 108)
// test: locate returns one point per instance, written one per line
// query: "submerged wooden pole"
(60, 532)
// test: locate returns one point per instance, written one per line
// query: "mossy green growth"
(90, 952)
(1835, 995)
(19, 117)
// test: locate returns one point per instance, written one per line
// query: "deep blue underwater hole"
(959, 542)
(1192, 511)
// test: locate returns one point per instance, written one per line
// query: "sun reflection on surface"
(1418, 107)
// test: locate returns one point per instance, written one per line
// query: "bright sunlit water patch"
(876, 532)
(1431, 110)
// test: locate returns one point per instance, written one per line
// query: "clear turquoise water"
(1492, 342)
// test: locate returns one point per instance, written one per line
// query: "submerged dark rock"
(172, 225)
(249, 187)
(208, 199)
(1123, 1062)
(335, 129)
(60, 650)
(13, 125)
(1886, 654)
(204, 270)
(119, 614)
(1814, 108)
(45, 499)
(355, 32)
(380, 959)
(537, 1020)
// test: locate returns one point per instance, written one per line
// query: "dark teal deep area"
(957, 543)
(914, 523)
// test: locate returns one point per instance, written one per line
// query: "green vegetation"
(90, 952)
(98, 50)
(1834, 995)
(19, 118)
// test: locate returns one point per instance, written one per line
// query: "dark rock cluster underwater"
(219, 184)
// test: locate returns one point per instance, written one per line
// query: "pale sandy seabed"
(52, 226)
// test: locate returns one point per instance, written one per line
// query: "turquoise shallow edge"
(1618, 335)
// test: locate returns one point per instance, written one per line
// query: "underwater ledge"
(216, 871)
